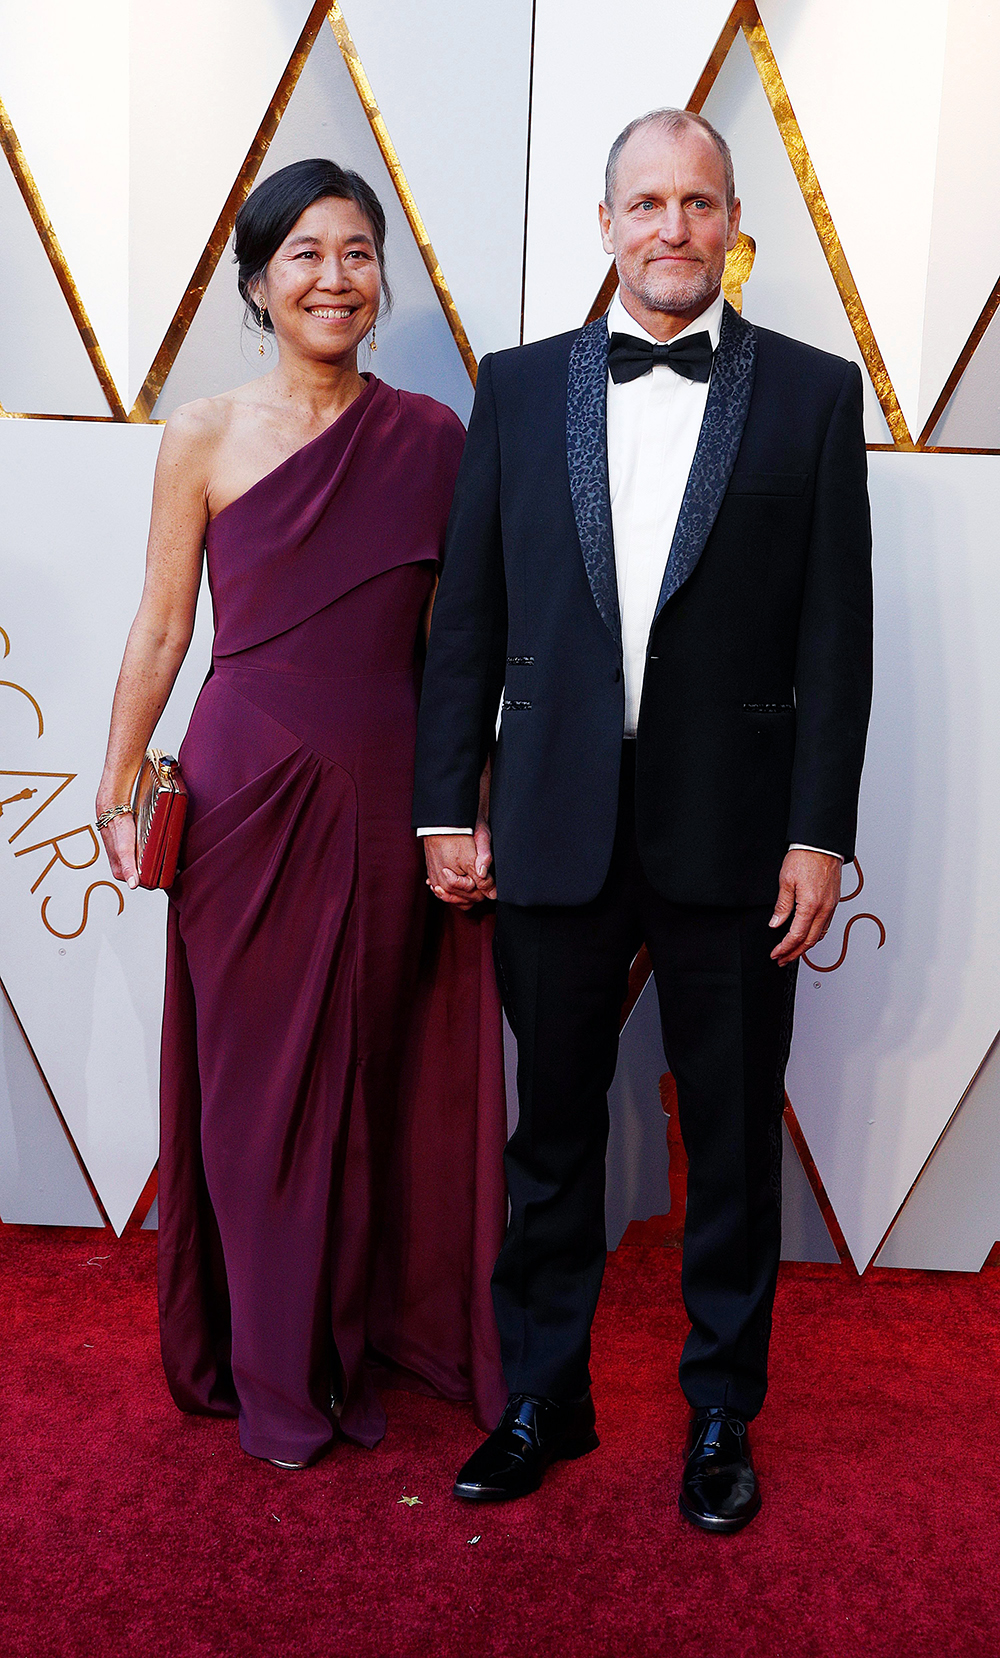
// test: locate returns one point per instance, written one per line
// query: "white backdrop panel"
(971, 419)
(886, 1045)
(967, 178)
(44, 366)
(64, 81)
(202, 75)
(952, 1220)
(76, 505)
(40, 1179)
(594, 71)
(791, 288)
(864, 78)
(452, 81)
(415, 345)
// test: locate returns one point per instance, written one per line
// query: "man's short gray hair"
(671, 120)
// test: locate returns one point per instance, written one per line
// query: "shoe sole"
(711, 1522)
(571, 1451)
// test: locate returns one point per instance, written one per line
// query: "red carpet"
(128, 1529)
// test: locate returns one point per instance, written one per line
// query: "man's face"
(668, 228)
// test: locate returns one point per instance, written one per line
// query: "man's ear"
(604, 220)
(734, 226)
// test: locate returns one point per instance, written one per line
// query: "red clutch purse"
(159, 805)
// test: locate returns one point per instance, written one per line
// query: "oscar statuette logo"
(82, 854)
(863, 915)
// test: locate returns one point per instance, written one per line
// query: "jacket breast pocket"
(768, 483)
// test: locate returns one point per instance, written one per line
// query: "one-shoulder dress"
(332, 1114)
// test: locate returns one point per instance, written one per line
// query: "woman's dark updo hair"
(271, 210)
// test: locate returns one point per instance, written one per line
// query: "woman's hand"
(484, 860)
(120, 844)
(482, 837)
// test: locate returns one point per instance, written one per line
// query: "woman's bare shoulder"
(198, 428)
(200, 439)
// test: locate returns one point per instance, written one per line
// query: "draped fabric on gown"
(332, 1101)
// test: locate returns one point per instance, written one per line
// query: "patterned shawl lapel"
(587, 457)
(715, 456)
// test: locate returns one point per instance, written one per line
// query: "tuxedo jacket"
(755, 700)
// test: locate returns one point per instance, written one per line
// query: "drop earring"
(260, 313)
(371, 342)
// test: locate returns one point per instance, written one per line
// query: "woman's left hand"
(484, 860)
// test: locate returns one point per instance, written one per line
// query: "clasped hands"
(460, 867)
(459, 871)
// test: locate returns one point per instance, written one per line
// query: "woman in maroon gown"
(331, 1083)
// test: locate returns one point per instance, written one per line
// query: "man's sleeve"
(833, 677)
(466, 652)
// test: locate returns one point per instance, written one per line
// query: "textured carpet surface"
(128, 1529)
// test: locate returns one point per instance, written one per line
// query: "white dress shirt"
(653, 425)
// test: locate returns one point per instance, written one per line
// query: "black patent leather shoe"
(531, 1434)
(719, 1488)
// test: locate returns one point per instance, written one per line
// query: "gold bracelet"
(110, 815)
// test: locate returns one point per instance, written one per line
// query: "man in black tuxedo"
(659, 553)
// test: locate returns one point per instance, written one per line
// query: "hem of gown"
(220, 1413)
(287, 1453)
(399, 1377)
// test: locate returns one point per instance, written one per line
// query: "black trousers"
(726, 1015)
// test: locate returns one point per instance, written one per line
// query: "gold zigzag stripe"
(362, 85)
(183, 317)
(11, 147)
(745, 16)
(717, 57)
(204, 270)
(819, 212)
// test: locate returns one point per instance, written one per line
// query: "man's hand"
(458, 867)
(809, 884)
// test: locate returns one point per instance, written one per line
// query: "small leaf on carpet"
(411, 1502)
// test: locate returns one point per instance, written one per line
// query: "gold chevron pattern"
(743, 19)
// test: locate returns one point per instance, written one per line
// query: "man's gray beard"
(685, 293)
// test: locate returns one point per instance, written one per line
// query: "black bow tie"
(629, 358)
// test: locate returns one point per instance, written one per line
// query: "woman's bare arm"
(160, 635)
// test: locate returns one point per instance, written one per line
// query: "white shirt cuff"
(797, 847)
(447, 830)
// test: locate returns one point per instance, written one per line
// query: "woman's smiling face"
(323, 287)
